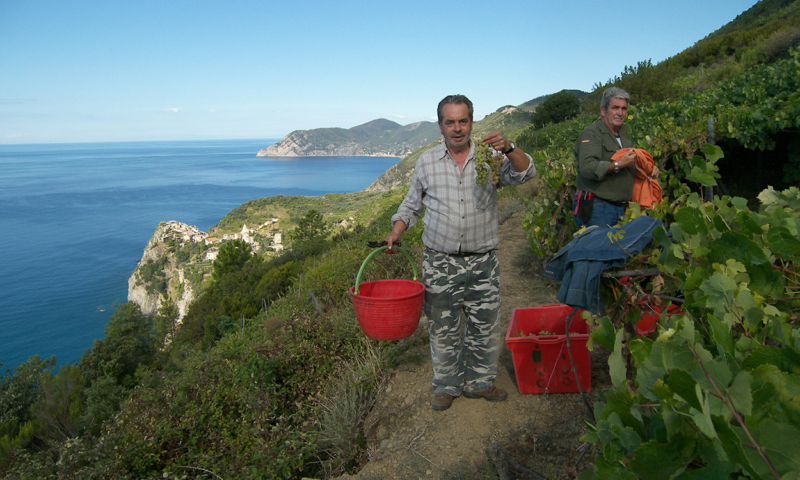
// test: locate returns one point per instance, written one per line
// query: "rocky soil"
(526, 436)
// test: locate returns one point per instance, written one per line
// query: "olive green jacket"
(593, 152)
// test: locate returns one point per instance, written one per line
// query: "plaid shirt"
(460, 216)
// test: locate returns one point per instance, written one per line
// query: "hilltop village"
(164, 273)
(263, 236)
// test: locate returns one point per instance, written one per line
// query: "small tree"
(60, 404)
(556, 108)
(130, 341)
(312, 225)
(102, 401)
(165, 320)
(18, 391)
(232, 257)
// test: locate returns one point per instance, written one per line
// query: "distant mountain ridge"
(379, 137)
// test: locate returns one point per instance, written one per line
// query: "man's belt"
(459, 253)
(617, 204)
(467, 254)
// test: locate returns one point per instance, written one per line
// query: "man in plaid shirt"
(460, 268)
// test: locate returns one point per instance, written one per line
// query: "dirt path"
(408, 440)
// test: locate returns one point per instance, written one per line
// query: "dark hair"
(454, 99)
(613, 92)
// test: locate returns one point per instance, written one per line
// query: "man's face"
(455, 126)
(614, 115)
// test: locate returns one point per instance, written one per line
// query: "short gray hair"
(454, 99)
(614, 92)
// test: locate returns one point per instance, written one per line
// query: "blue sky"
(81, 71)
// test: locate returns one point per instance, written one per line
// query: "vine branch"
(729, 405)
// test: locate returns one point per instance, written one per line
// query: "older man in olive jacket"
(604, 185)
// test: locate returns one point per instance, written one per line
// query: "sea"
(74, 219)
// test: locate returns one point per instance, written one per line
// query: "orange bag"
(646, 190)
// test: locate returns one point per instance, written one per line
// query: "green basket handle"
(385, 247)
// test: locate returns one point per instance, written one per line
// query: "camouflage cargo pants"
(462, 303)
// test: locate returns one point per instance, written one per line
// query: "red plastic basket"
(541, 362)
(388, 309)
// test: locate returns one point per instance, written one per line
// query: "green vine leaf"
(694, 277)
(765, 280)
(712, 152)
(687, 332)
(640, 349)
(657, 461)
(691, 220)
(722, 335)
(719, 225)
(719, 373)
(702, 420)
(676, 355)
(747, 225)
(719, 293)
(648, 378)
(731, 443)
(732, 245)
(682, 383)
(741, 393)
(606, 470)
(673, 422)
(739, 202)
(613, 451)
(703, 172)
(779, 441)
(605, 335)
(616, 363)
(786, 359)
(782, 242)
(776, 395)
(772, 199)
(613, 428)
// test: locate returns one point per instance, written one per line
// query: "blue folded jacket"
(582, 261)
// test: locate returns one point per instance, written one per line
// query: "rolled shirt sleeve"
(509, 176)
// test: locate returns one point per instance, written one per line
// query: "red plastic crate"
(541, 363)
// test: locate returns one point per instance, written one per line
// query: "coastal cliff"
(161, 274)
(376, 138)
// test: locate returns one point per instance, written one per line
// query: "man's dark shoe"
(493, 394)
(442, 401)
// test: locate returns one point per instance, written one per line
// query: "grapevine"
(487, 162)
(712, 394)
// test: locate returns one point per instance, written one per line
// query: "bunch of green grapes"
(487, 163)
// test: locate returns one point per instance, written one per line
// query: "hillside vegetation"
(269, 376)
(530, 105)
